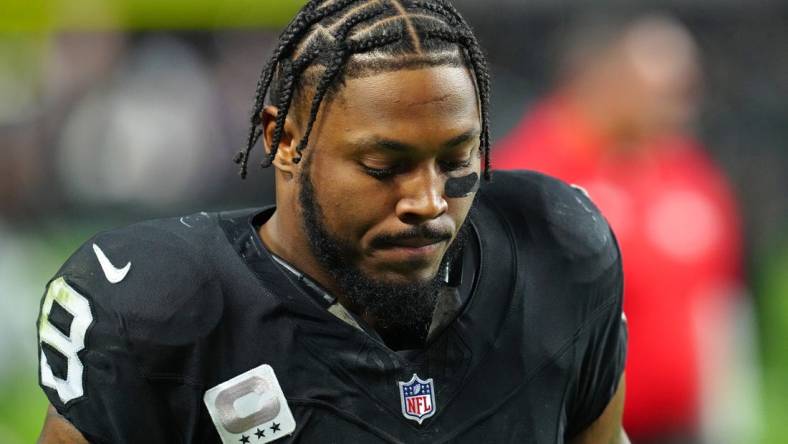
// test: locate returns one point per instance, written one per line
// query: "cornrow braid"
(340, 55)
(300, 24)
(328, 33)
(284, 103)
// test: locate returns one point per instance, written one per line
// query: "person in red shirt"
(617, 126)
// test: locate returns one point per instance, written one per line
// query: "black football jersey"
(189, 330)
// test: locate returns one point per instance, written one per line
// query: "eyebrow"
(397, 146)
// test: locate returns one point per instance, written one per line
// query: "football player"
(393, 294)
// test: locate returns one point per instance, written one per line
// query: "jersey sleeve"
(95, 334)
(567, 229)
(601, 352)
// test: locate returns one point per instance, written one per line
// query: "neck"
(283, 236)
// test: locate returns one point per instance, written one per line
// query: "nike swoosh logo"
(113, 275)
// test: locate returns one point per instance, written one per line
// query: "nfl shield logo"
(418, 398)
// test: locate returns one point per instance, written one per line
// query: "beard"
(401, 312)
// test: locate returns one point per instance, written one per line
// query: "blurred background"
(672, 114)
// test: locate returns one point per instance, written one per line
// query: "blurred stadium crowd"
(108, 122)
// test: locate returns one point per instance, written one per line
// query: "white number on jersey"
(78, 306)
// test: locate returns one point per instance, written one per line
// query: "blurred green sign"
(90, 15)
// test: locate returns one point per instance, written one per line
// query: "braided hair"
(317, 50)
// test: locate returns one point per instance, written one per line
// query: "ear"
(287, 144)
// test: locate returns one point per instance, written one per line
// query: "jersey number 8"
(68, 341)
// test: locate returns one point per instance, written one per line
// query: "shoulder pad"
(563, 213)
(150, 274)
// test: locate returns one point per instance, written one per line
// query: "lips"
(418, 242)
(415, 237)
(417, 245)
(416, 252)
(411, 258)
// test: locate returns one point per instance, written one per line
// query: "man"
(384, 299)
(617, 124)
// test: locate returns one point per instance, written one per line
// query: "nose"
(421, 197)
